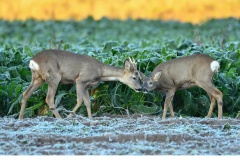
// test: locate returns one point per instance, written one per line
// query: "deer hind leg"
(52, 88)
(212, 105)
(79, 90)
(35, 84)
(168, 103)
(218, 96)
(215, 93)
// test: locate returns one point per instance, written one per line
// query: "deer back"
(182, 72)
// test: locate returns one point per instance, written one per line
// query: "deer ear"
(128, 66)
(142, 76)
(157, 76)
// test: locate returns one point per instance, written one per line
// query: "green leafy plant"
(149, 42)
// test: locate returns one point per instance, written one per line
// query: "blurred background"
(194, 11)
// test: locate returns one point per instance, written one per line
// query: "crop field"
(149, 42)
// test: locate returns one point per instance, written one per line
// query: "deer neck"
(111, 73)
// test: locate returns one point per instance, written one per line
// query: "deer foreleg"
(168, 103)
(87, 103)
(79, 90)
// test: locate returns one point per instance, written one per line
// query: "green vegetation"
(112, 41)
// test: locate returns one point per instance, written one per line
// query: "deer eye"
(134, 78)
(150, 83)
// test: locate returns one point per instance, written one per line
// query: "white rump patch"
(214, 66)
(33, 65)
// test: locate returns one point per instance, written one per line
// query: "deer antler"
(133, 62)
(129, 58)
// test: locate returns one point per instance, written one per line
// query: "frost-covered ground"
(119, 135)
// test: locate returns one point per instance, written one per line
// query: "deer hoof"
(71, 115)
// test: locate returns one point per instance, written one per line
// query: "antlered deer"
(185, 72)
(55, 66)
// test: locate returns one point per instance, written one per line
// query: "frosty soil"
(119, 135)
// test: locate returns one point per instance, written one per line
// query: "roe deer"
(185, 72)
(55, 66)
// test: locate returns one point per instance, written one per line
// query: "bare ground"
(119, 135)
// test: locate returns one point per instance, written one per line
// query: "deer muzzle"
(138, 90)
(144, 90)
